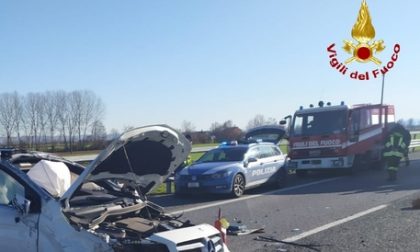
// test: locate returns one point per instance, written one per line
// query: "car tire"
(282, 178)
(301, 173)
(238, 186)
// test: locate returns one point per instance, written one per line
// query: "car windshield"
(326, 122)
(224, 155)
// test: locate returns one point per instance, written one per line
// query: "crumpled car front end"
(109, 200)
(106, 208)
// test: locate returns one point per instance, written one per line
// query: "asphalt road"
(324, 210)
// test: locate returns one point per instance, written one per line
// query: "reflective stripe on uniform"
(392, 168)
(393, 154)
(394, 149)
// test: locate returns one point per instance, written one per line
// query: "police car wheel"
(238, 187)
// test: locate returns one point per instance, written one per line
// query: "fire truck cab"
(338, 137)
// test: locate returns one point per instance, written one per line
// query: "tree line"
(225, 131)
(52, 120)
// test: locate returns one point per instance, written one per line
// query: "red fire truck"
(338, 137)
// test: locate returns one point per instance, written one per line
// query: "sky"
(166, 61)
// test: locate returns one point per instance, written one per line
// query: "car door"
(275, 163)
(253, 166)
(268, 162)
(18, 231)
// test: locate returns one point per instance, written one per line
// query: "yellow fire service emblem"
(363, 32)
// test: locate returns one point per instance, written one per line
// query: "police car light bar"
(228, 143)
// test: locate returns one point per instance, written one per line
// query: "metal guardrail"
(415, 143)
(415, 140)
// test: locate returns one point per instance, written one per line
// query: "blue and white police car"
(235, 167)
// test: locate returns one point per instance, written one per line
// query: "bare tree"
(187, 127)
(20, 119)
(42, 117)
(38, 118)
(214, 126)
(271, 121)
(225, 131)
(259, 120)
(53, 104)
(8, 114)
(98, 134)
(85, 108)
(63, 116)
(114, 134)
(93, 111)
(76, 116)
(32, 118)
(410, 124)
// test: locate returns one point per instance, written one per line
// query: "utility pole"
(382, 93)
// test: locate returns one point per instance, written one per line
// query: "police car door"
(278, 160)
(253, 165)
(18, 231)
(270, 164)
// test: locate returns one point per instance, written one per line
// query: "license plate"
(193, 185)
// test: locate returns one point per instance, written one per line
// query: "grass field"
(162, 188)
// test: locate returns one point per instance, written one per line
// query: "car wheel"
(238, 186)
(282, 178)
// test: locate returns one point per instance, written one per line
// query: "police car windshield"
(224, 155)
(326, 122)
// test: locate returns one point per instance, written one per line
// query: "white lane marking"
(253, 196)
(333, 224)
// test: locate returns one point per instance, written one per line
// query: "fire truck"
(338, 137)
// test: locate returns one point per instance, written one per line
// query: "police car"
(235, 167)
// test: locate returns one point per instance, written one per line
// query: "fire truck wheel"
(301, 173)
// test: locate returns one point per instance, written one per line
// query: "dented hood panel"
(145, 156)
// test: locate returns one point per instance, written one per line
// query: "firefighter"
(395, 149)
(406, 138)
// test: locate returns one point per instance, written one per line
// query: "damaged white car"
(51, 204)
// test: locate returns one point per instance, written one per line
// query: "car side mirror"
(21, 204)
(249, 160)
(283, 122)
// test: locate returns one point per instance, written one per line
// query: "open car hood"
(269, 133)
(144, 156)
